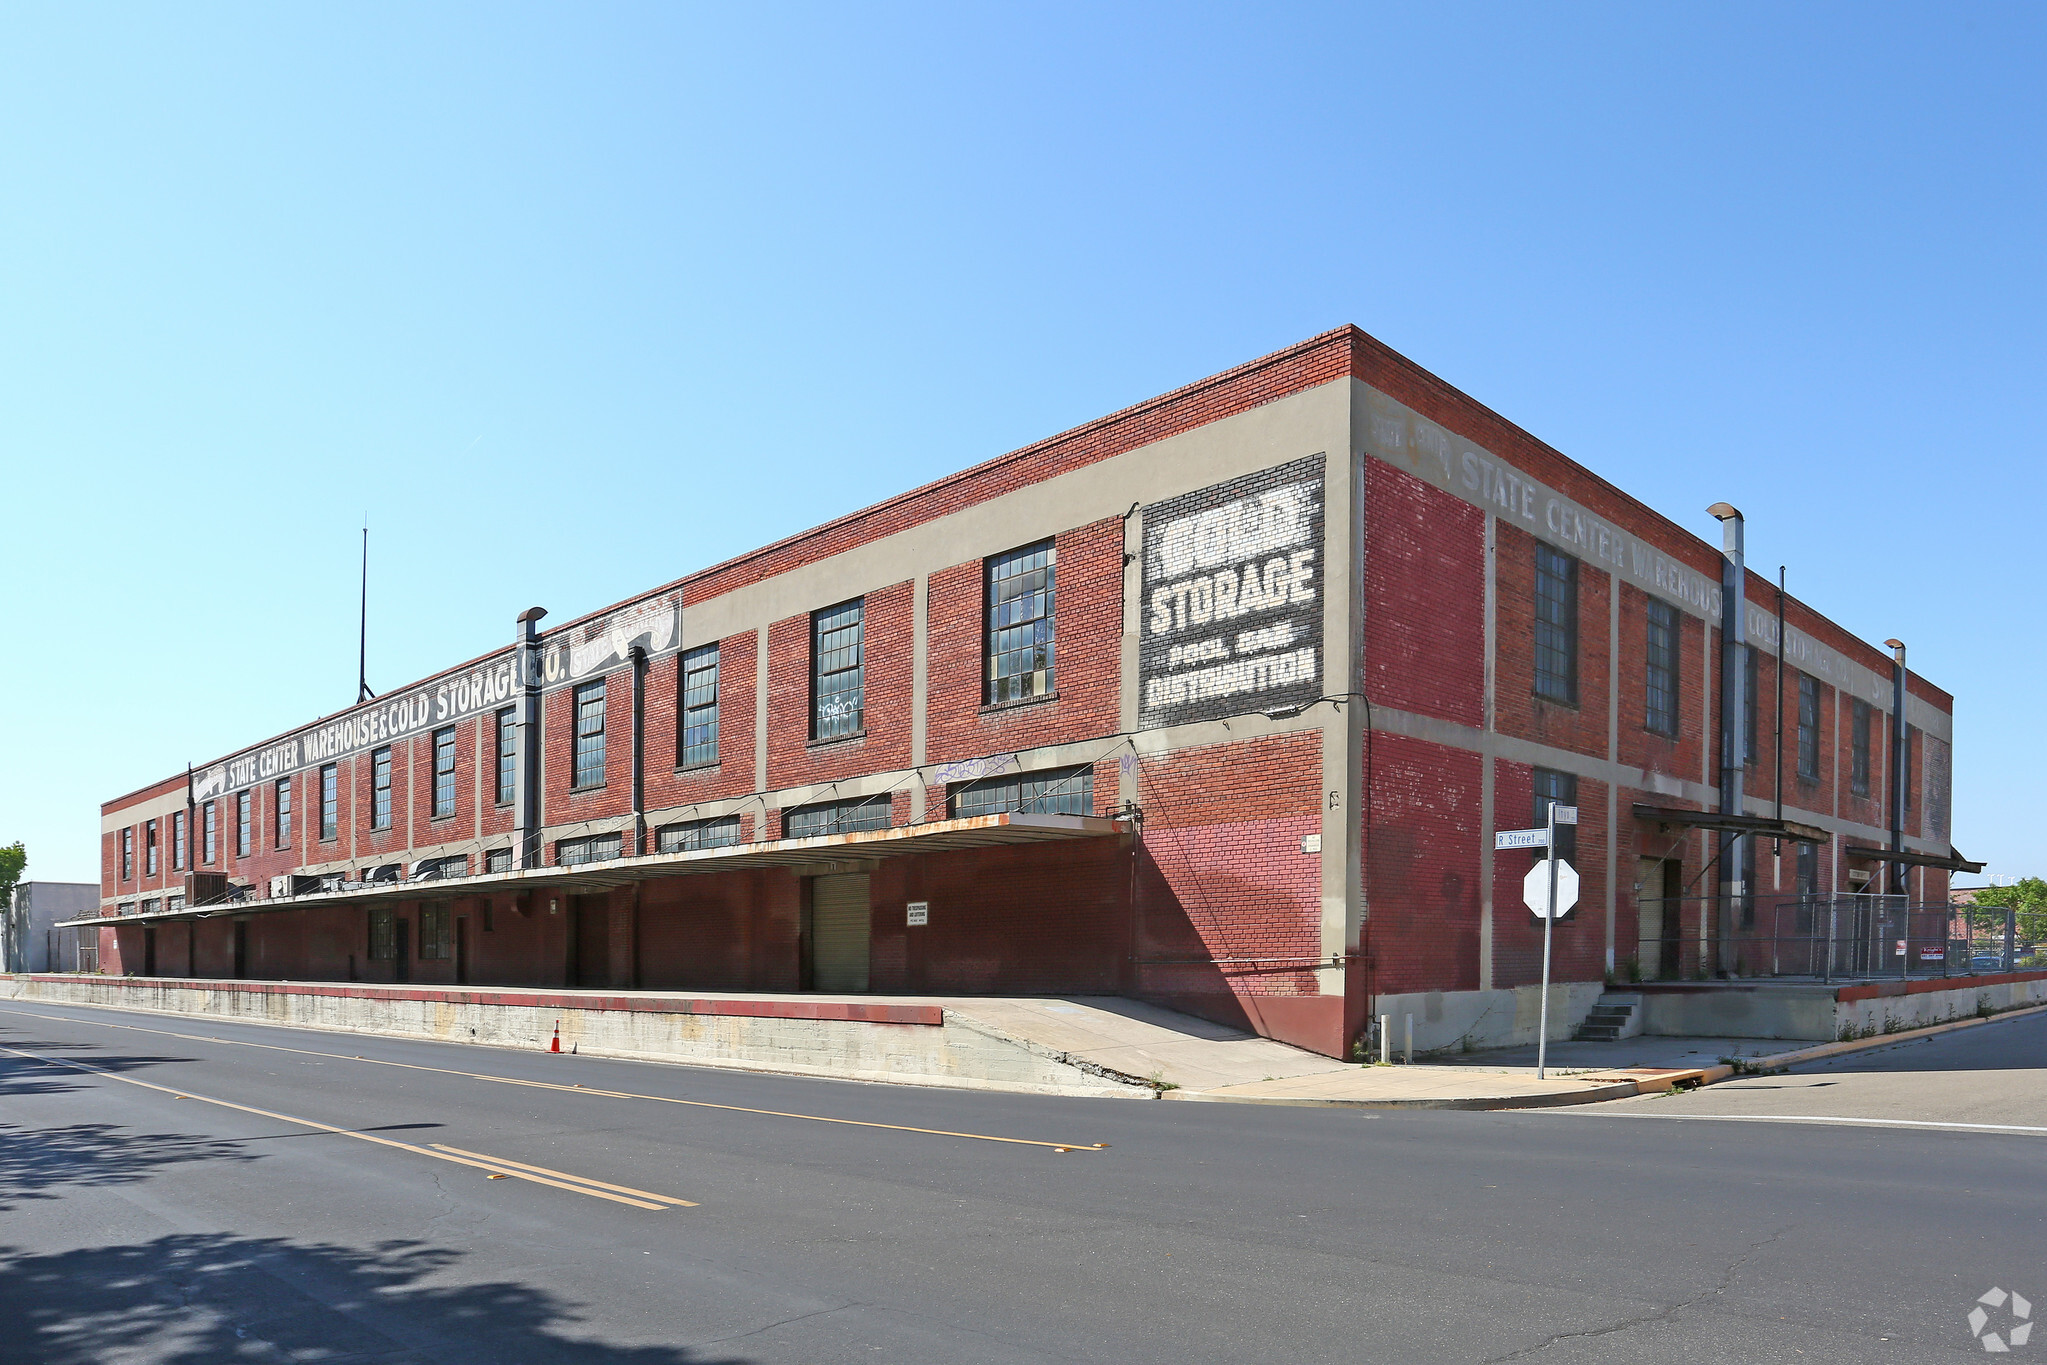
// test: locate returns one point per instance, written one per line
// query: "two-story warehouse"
(1217, 701)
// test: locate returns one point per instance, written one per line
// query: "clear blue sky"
(575, 299)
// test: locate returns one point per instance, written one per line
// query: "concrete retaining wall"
(1825, 1013)
(903, 1043)
(1447, 1021)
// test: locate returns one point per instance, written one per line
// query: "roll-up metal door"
(839, 928)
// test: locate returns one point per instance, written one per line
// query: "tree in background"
(13, 859)
(2027, 895)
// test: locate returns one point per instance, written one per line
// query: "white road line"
(1808, 1118)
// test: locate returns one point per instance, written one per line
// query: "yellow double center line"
(1060, 1147)
(493, 1165)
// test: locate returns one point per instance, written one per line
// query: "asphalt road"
(181, 1201)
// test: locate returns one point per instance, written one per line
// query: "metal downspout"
(526, 770)
(1733, 715)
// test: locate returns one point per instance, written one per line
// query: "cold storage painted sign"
(1233, 597)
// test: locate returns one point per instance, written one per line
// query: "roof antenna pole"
(362, 658)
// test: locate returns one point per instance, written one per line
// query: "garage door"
(839, 925)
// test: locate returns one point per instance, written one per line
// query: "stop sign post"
(1550, 888)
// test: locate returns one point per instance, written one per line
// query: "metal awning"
(1952, 861)
(824, 853)
(1762, 825)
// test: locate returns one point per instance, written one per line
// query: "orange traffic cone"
(556, 1045)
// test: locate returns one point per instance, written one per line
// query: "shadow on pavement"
(189, 1298)
(32, 1076)
(37, 1163)
(205, 1298)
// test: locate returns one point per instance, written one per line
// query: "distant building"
(28, 943)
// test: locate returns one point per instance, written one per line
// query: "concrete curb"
(1781, 1060)
(1618, 1090)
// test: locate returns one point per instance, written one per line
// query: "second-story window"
(181, 847)
(508, 753)
(444, 772)
(245, 816)
(1660, 712)
(330, 801)
(284, 812)
(1560, 789)
(128, 854)
(1556, 625)
(700, 707)
(380, 789)
(209, 834)
(149, 861)
(1858, 749)
(838, 686)
(1808, 728)
(1019, 633)
(589, 755)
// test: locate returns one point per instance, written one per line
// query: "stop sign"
(1535, 888)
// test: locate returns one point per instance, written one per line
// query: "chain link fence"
(1822, 937)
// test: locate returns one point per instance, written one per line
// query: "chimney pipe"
(526, 773)
(1733, 715)
(1901, 760)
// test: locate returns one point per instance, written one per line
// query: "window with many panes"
(436, 933)
(838, 688)
(1054, 791)
(1556, 625)
(441, 869)
(245, 823)
(383, 936)
(1858, 748)
(150, 866)
(508, 754)
(444, 773)
(128, 854)
(589, 750)
(1555, 788)
(836, 817)
(1660, 712)
(380, 789)
(1019, 632)
(597, 848)
(498, 860)
(209, 833)
(181, 847)
(330, 801)
(697, 834)
(284, 812)
(699, 736)
(1808, 727)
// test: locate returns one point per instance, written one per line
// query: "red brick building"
(1217, 701)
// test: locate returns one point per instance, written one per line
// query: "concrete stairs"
(1614, 1016)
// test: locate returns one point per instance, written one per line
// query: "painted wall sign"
(1233, 597)
(1407, 440)
(565, 657)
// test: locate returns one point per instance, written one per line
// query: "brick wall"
(793, 758)
(1421, 865)
(1087, 635)
(1425, 605)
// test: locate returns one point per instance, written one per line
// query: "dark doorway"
(241, 949)
(401, 966)
(589, 940)
(1659, 909)
(461, 950)
(149, 950)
